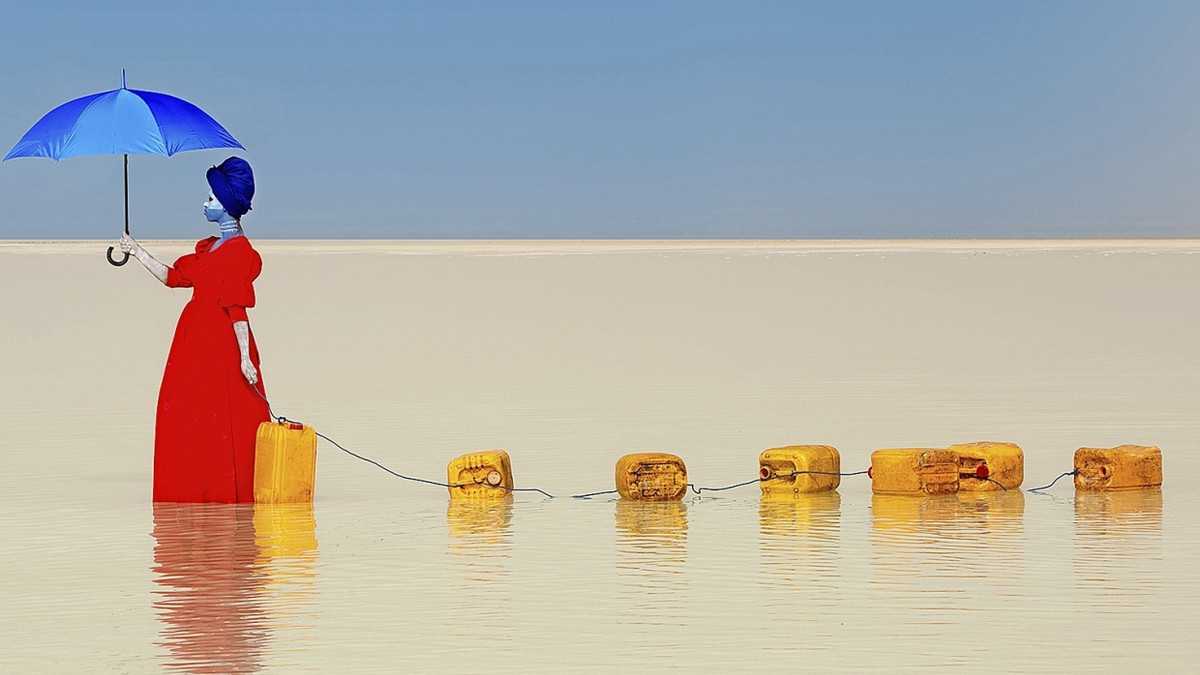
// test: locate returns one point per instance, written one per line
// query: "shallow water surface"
(568, 356)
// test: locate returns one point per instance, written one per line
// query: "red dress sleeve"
(237, 285)
(180, 275)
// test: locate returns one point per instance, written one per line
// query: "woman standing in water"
(212, 398)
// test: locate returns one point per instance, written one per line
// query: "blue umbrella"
(122, 122)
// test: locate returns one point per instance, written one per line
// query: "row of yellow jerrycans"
(285, 469)
(797, 469)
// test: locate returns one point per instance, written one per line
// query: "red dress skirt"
(208, 415)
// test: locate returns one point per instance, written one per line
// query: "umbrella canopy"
(122, 122)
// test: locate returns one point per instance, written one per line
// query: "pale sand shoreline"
(596, 246)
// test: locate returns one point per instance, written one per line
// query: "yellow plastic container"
(781, 470)
(1125, 467)
(914, 471)
(1003, 463)
(480, 475)
(651, 477)
(285, 463)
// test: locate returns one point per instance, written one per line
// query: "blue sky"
(613, 119)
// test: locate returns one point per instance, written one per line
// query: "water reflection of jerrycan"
(987, 466)
(490, 519)
(908, 512)
(284, 531)
(285, 463)
(480, 475)
(991, 511)
(789, 471)
(1108, 508)
(914, 471)
(663, 523)
(1125, 467)
(816, 512)
(286, 566)
(651, 477)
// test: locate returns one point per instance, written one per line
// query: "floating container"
(651, 477)
(480, 475)
(914, 471)
(1002, 463)
(285, 463)
(782, 471)
(1125, 467)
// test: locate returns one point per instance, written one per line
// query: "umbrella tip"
(122, 78)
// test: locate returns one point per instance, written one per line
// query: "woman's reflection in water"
(204, 559)
(220, 568)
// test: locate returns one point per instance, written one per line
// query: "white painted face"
(213, 209)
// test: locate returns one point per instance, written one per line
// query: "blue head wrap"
(232, 183)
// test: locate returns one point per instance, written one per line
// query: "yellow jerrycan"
(480, 475)
(914, 471)
(1125, 467)
(985, 466)
(285, 462)
(651, 477)
(784, 472)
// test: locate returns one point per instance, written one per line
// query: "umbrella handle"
(117, 263)
(122, 261)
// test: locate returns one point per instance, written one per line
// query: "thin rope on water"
(1069, 473)
(425, 480)
(394, 473)
(280, 419)
(699, 490)
(594, 494)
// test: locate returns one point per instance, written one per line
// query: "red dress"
(208, 415)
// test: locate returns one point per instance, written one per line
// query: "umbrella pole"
(124, 260)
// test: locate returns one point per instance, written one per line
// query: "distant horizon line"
(1190, 245)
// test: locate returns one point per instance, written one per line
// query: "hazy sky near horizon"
(691, 119)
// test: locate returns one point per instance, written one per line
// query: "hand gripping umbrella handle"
(117, 263)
